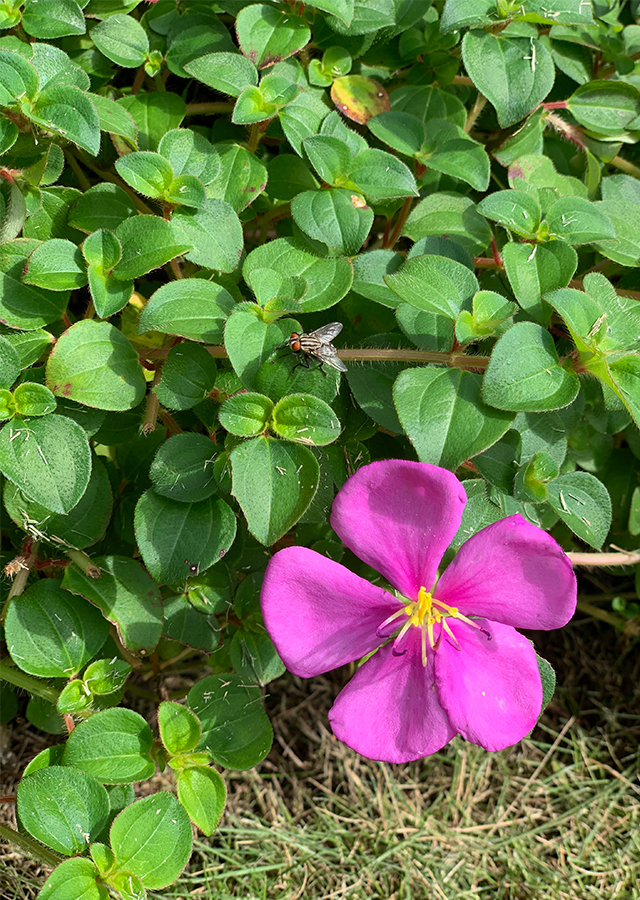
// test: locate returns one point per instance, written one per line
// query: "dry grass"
(555, 818)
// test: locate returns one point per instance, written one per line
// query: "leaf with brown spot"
(359, 98)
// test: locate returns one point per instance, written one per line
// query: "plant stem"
(137, 81)
(254, 136)
(140, 205)
(472, 117)
(13, 675)
(403, 215)
(27, 560)
(622, 558)
(453, 359)
(83, 181)
(203, 109)
(83, 562)
(629, 626)
(625, 166)
(31, 846)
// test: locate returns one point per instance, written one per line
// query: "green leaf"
(74, 878)
(625, 218)
(188, 375)
(534, 270)
(66, 110)
(305, 419)
(190, 154)
(187, 190)
(192, 308)
(515, 210)
(267, 36)
(428, 102)
(435, 284)
(102, 206)
(48, 458)
(176, 539)
(122, 39)
(52, 634)
(338, 218)
(242, 177)
(113, 745)
(55, 67)
(229, 73)
(24, 306)
(606, 108)
(235, 727)
(369, 270)
(80, 528)
(328, 280)
(154, 114)
(148, 242)
(187, 625)
(578, 221)
(490, 310)
(179, 729)
(192, 37)
(583, 503)
(249, 341)
(288, 176)
(524, 372)
(56, 265)
(183, 468)
(104, 676)
(381, 176)
(114, 119)
(18, 78)
(162, 844)
(94, 364)
(63, 808)
(301, 119)
(126, 595)
(203, 794)
(274, 482)
(9, 363)
(329, 155)
(214, 232)
(625, 375)
(148, 173)
(33, 399)
(246, 414)
(450, 214)
(254, 656)
(372, 387)
(251, 107)
(514, 73)
(444, 417)
(51, 19)
(461, 13)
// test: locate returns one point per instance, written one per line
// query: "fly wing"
(327, 332)
(326, 353)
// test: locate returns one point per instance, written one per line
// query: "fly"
(316, 346)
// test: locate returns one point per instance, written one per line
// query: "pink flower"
(457, 665)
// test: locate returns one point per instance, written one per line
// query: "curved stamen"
(396, 644)
(379, 630)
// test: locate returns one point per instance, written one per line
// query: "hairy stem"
(10, 673)
(31, 846)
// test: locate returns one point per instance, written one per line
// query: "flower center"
(428, 614)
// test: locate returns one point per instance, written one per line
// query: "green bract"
(208, 212)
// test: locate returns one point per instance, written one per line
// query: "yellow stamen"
(426, 613)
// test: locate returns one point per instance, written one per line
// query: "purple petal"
(389, 710)
(319, 614)
(512, 572)
(490, 689)
(399, 517)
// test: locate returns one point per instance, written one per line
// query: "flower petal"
(512, 572)
(319, 614)
(490, 689)
(389, 710)
(399, 517)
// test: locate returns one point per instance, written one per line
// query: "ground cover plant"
(250, 254)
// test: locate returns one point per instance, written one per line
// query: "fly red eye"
(295, 344)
